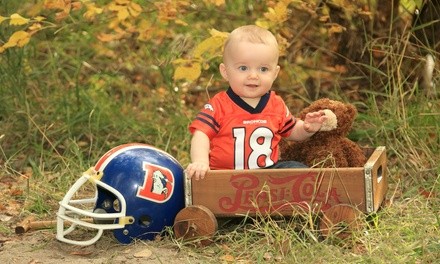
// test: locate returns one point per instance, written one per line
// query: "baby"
(241, 128)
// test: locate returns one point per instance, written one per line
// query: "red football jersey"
(243, 137)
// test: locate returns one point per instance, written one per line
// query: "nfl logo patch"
(158, 183)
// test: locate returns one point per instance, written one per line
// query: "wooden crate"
(228, 193)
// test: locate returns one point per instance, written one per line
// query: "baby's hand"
(313, 121)
(197, 169)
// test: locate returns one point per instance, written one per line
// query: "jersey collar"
(241, 103)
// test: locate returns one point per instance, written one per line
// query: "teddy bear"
(329, 147)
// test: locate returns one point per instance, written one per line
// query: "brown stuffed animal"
(330, 146)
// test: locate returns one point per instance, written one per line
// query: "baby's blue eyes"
(245, 68)
(242, 68)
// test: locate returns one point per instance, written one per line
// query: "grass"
(64, 103)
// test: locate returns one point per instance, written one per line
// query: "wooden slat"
(284, 191)
(380, 177)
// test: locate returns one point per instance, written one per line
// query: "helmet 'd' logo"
(158, 183)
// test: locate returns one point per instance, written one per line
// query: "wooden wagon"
(340, 194)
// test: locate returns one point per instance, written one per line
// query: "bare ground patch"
(42, 247)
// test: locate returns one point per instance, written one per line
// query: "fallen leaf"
(146, 253)
(56, 4)
(17, 20)
(187, 70)
(19, 39)
(5, 218)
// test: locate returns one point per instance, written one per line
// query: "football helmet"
(138, 190)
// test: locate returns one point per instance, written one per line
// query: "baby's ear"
(277, 70)
(331, 122)
(223, 71)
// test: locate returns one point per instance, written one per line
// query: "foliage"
(79, 77)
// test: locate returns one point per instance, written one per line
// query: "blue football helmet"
(139, 190)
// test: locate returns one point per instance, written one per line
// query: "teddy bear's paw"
(331, 122)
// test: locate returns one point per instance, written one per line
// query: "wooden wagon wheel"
(195, 222)
(341, 220)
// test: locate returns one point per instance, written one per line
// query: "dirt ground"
(41, 246)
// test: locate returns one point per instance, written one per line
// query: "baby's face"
(250, 68)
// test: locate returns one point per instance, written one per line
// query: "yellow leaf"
(187, 70)
(35, 27)
(23, 38)
(123, 14)
(17, 20)
(271, 14)
(114, 24)
(215, 33)
(55, 4)
(262, 23)
(134, 9)
(277, 14)
(145, 30)
(211, 47)
(180, 22)
(2, 49)
(39, 18)
(92, 11)
(19, 39)
(76, 6)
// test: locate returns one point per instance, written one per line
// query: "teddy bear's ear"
(331, 122)
(351, 109)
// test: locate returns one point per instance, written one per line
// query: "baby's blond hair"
(252, 34)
